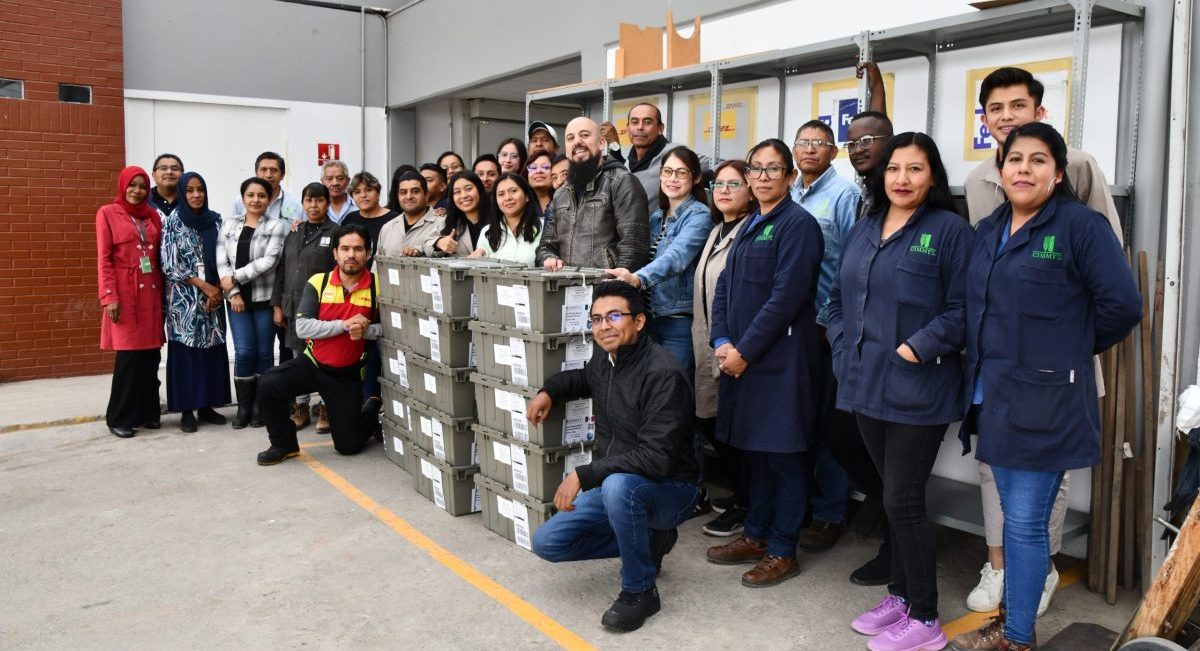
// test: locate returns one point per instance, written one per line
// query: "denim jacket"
(669, 278)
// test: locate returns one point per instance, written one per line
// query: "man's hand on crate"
(564, 497)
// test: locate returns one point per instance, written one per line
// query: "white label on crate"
(430, 383)
(476, 505)
(577, 355)
(394, 276)
(474, 452)
(504, 506)
(435, 349)
(502, 452)
(576, 459)
(394, 367)
(474, 306)
(428, 327)
(578, 424)
(426, 427)
(439, 497)
(397, 320)
(439, 440)
(504, 295)
(471, 353)
(398, 409)
(426, 286)
(520, 517)
(575, 316)
(428, 470)
(398, 445)
(516, 350)
(520, 426)
(402, 369)
(500, 352)
(521, 305)
(520, 470)
(509, 401)
(435, 286)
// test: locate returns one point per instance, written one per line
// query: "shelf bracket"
(714, 98)
(1079, 59)
(863, 41)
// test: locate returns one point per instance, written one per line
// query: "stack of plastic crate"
(428, 356)
(532, 324)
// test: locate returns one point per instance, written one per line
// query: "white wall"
(433, 130)
(220, 137)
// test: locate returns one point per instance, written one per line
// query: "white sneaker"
(1048, 590)
(986, 596)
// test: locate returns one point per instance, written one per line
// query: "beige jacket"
(985, 193)
(708, 270)
(393, 238)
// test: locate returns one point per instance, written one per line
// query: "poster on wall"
(620, 116)
(835, 102)
(739, 122)
(1055, 75)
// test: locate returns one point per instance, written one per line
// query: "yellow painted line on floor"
(78, 420)
(972, 621)
(318, 444)
(482, 582)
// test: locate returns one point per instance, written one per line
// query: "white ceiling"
(514, 88)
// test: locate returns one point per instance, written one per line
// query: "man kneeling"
(642, 481)
(336, 314)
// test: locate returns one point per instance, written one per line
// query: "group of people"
(817, 332)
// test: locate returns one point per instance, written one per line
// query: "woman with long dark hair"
(197, 366)
(896, 326)
(512, 156)
(128, 231)
(466, 216)
(514, 229)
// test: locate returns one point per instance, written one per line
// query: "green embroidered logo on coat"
(925, 240)
(1047, 252)
(766, 235)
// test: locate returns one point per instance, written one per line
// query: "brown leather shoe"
(741, 550)
(300, 415)
(322, 418)
(771, 570)
(1005, 645)
(985, 638)
(820, 536)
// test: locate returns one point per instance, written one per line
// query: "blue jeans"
(614, 520)
(372, 370)
(253, 341)
(1027, 497)
(675, 334)
(778, 499)
(829, 504)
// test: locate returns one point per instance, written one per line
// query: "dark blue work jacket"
(1058, 292)
(765, 305)
(908, 288)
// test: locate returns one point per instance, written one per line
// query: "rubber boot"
(247, 388)
(255, 413)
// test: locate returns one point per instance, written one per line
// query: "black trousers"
(133, 400)
(285, 353)
(904, 455)
(340, 389)
(732, 461)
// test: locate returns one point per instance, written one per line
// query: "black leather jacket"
(608, 227)
(644, 411)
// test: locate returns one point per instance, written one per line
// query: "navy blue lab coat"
(765, 304)
(909, 288)
(1058, 292)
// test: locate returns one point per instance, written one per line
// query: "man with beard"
(336, 315)
(600, 216)
(408, 235)
(645, 128)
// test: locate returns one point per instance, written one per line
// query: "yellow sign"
(1055, 75)
(739, 122)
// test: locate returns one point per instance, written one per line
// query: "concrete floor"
(177, 541)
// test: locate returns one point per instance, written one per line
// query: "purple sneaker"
(910, 635)
(882, 617)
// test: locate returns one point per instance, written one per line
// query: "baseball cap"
(542, 126)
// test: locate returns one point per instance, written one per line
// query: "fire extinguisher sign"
(327, 151)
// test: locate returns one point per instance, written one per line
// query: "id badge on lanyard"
(144, 261)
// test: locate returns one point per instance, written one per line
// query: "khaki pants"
(993, 515)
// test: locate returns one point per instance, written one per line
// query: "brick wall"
(58, 164)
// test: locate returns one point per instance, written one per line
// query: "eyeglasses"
(774, 172)
(544, 167)
(509, 155)
(168, 168)
(612, 317)
(732, 186)
(862, 143)
(680, 173)
(805, 143)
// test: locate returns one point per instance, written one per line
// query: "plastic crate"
(445, 285)
(441, 387)
(447, 438)
(394, 273)
(537, 300)
(394, 359)
(444, 339)
(526, 468)
(510, 514)
(449, 487)
(501, 407)
(397, 403)
(397, 446)
(528, 358)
